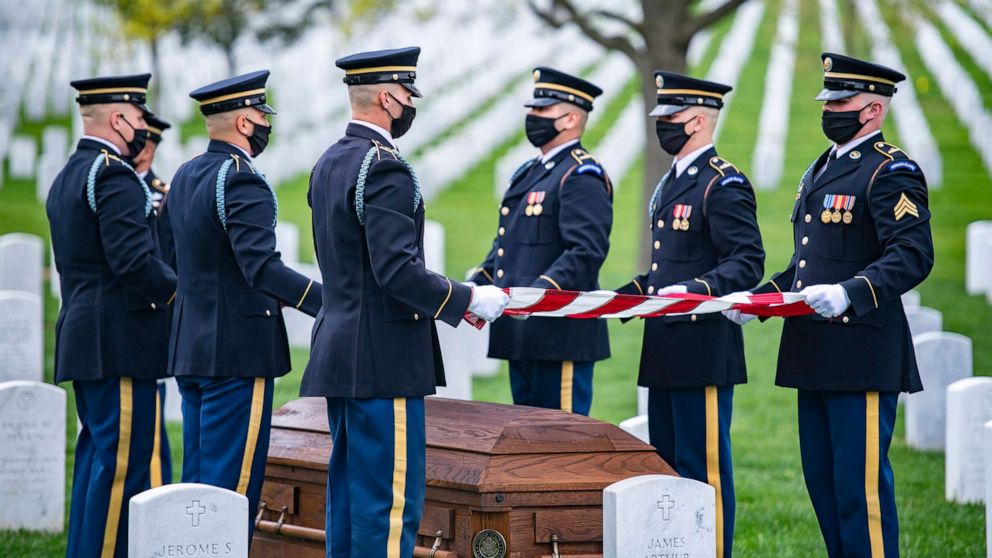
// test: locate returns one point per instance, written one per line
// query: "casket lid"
(486, 428)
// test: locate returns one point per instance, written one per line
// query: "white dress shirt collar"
(683, 163)
(377, 129)
(556, 150)
(104, 142)
(842, 150)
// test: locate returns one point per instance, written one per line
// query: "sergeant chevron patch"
(905, 207)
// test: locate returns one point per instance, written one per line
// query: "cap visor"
(665, 110)
(266, 108)
(542, 102)
(835, 95)
(144, 108)
(412, 89)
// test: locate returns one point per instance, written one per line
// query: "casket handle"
(554, 547)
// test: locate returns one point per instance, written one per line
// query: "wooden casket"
(502, 480)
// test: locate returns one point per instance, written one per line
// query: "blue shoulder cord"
(363, 173)
(221, 184)
(91, 182)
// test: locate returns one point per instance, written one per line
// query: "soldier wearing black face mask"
(554, 230)
(228, 340)
(705, 240)
(862, 238)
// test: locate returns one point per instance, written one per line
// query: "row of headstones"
(978, 259)
(653, 513)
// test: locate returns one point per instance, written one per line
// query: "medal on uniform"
(539, 198)
(828, 203)
(837, 205)
(848, 206)
(529, 210)
(677, 217)
(686, 212)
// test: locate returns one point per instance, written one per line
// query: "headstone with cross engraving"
(32, 456)
(659, 515)
(188, 519)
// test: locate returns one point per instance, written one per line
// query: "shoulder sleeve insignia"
(589, 168)
(905, 207)
(732, 179)
(890, 151)
(723, 166)
(902, 165)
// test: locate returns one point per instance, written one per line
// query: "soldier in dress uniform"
(228, 339)
(705, 240)
(861, 231)
(161, 465)
(375, 350)
(112, 331)
(554, 233)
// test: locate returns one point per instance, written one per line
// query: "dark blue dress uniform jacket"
(375, 335)
(160, 199)
(228, 320)
(115, 287)
(885, 251)
(720, 253)
(562, 247)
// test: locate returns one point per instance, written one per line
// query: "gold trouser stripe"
(399, 479)
(230, 96)
(550, 280)
(567, 376)
(870, 287)
(305, 293)
(120, 471)
(156, 465)
(254, 424)
(445, 303)
(872, 450)
(713, 460)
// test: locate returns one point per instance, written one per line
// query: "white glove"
(737, 316)
(488, 302)
(673, 289)
(828, 301)
(469, 283)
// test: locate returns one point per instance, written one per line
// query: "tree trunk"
(157, 77)
(229, 56)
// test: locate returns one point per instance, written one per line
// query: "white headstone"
(943, 358)
(659, 515)
(299, 326)
(911, 299)
(288, 242)
(988, 489)
(434, 246)
(978, 254)
(23, 152)
(32, 456)
(924, 320)
(173, 401)
(54, 280)
(48, 168)
(22, 257)
(969, 407)
(188, 519)
(456, 347)
(55, 142)
(642, 400)
(21, 344)
(638, 426)
(482, 365)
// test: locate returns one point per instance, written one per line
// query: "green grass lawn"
(774, 517)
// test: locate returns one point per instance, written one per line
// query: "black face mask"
(402, 124)
(672, 136)
(259, 138)
(541, 129)
(137, 143)
(840, 127)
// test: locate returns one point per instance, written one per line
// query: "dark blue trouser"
(113, 451)
(690, 428)
(226, 434)
(161, 466)
(552, 384)
(375, 477)
(844, 440)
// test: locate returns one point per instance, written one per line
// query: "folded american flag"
(527, 301)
